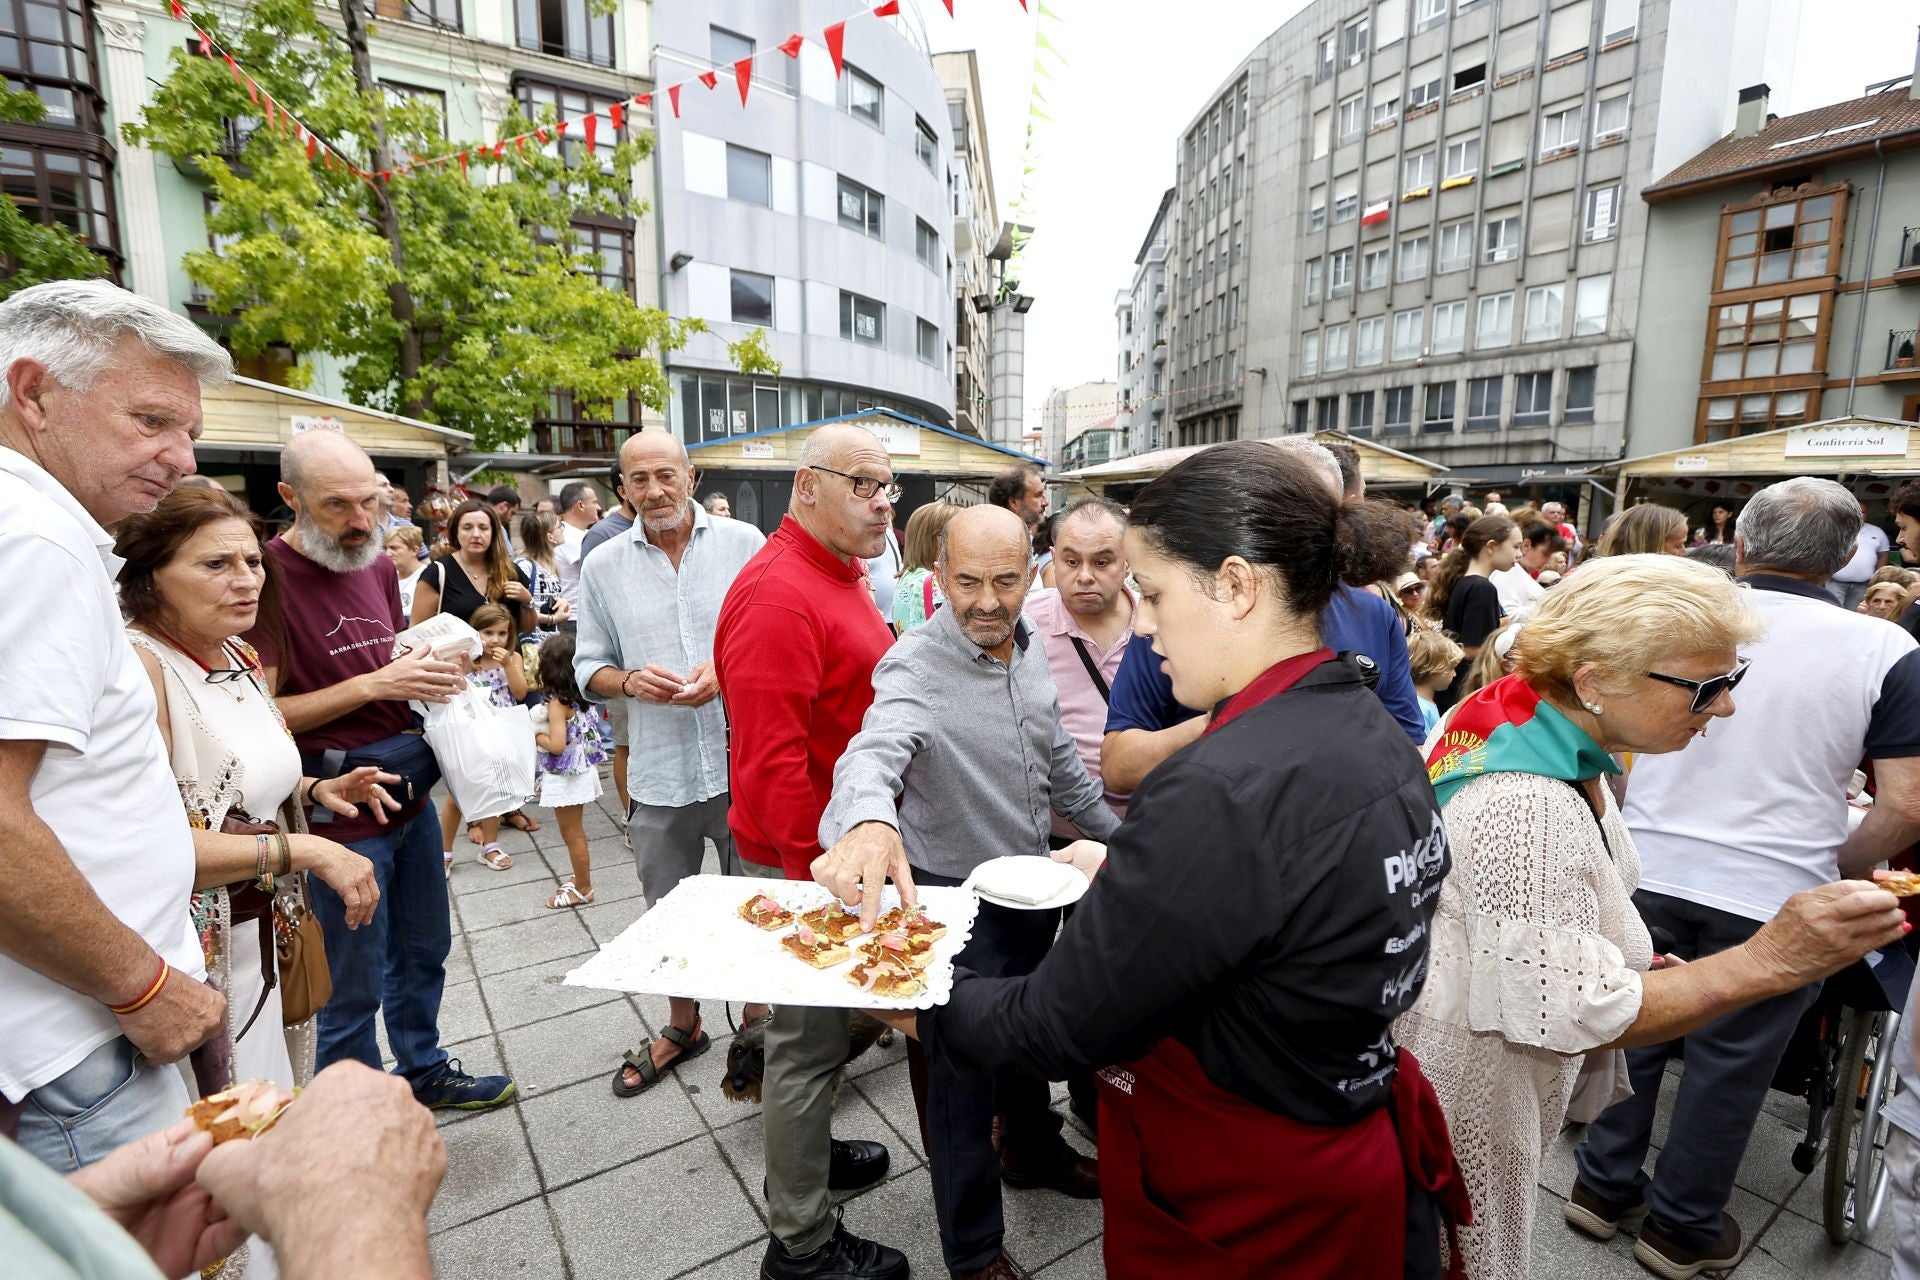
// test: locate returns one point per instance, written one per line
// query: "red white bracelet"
(145, 997)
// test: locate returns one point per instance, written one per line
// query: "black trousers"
(959, 1104)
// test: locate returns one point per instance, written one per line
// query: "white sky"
(1138, 70)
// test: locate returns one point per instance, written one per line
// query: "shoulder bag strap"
(1093, 669)
(926, 596)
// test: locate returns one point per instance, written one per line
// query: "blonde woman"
(1649, 529)
(1538, 957)
(916, 594)
(403, 548)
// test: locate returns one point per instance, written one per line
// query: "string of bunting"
(286, 123)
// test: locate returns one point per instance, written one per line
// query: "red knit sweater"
(794, 652)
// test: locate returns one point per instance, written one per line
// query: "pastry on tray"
(244, 1111)
(763, 912)
(916, 951)
(914, 923)
(834, 921)
(816, 948)
(887, 974)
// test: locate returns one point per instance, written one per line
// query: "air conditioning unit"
(1505, 253)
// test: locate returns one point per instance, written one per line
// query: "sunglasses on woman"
(1707, 692)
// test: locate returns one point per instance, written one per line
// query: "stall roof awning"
(1378, 463)
(1854, 445)
(915, 447)
(260, 417)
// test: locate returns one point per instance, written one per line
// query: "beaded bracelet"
(262, 851)
(145, 997)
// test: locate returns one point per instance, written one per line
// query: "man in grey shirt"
(962, 758)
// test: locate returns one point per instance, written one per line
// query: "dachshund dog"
(747, 1054)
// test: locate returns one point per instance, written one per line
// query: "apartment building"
(1140, 318)
(1069, 411)
(1419, 221)
(821, 213)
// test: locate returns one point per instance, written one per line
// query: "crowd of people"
(1406, 837)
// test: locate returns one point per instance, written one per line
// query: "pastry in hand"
(764, 913)
(1901, 884)
(244, 1111)
(815, 948)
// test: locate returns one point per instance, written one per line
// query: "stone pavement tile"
(655, 1218)
(480, 1057)
(538, 992)
(891, 1094)
(608, 919)
(515, 946)
(1084, 1263)
(610, 883)
(1767, 1170)
(462, 1017)
(745, 1148)
(741, 1264)
(481, 910)
(1808, 1203)
(470, 875)
(1045, 1225)
(583, 1130)
(901, 1215)
(516, 1242)
(585, 1044)
(488, 1167)
(1561, 1253)
(1557, 1169)
(459, 962)
(1802, 1248)
(879, 1057)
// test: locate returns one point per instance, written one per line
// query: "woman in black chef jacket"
(1260, 924)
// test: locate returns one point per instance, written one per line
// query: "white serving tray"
(693, 943)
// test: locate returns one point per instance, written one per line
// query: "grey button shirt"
(635, 608)
(963, 755)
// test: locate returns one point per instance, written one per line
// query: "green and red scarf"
(1508, 728)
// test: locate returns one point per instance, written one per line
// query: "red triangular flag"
(269, 109)
(328, 160)
(463, 165)
(520, 144)
(234, 68)
(253, 91)
(591, 125)
(560, 129)
(891, 9)
(644, 100)
(836, 45)
(949, 8)
(541, 133)
(179, 10)
(313, 145)
(673, 96)
(206, 45)
(709, 79)
(791, 46)
(618, 114)
(743, 72)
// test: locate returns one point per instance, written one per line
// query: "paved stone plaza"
(572, 1182)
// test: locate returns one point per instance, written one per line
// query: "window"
(1580, 385)
(1560, 129)
(1360, 413)
(1389, 23)
(1449, 328)
(1603, 213)
(1369, 343)
(1610, 117)
(1385, 110)
(926, 245)
(402, 95)
(1353, 116)
(927, 342)
(1316, 208)
(1300, 419)
(1495, 326)
(862, 210)
(434, 13)
(1407, 333)
(1413, 258)
(1397, 420)
(1516, 49)
(539, 98)
(1764, 339)
(1569, 29)
(863, 320)
(926, 145)
(1788, 239)
(1423, 85)
(861, 95)
(1758, 412)
(1313, 280)
(1532, 399)
(1483, 404)
(569, 30)
(749, 176)
(1416, 171)
(1502, 238)
(1428, 13)
(1456, 246)
(727, 47)
(1473, 75)
(1339, 272)
(1590, 298)
(61, 188)
(1373, 268)
(1617, 19)
(1353, 41)
(1463, 158)
(1346, 206)
(1544, 304)
(605, 253)
(752, 298)
(1334, 348)
(1326, 413)
(1233, 309)
(1309, 354)
(1550, 226)
(1329, 50)
(1439, 409)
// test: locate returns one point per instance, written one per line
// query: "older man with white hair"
(101, 976)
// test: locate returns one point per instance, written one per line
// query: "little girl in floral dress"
(500, 672)
(572, 749)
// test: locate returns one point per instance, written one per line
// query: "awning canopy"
(1854, 446)
(914, 447)
(1379, 465)
(257, 417)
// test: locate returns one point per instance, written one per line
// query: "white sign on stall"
(1692, 462)
(301, 422)
(756, 448)
(902, 441)
(1859, 440)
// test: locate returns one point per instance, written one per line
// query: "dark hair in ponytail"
(1275, 510)
(556, 671)
(1485, 530)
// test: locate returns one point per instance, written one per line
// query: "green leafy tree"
(30, 252)
(447, 296)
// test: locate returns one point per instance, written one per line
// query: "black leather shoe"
(844, 1257)
(856, 1165)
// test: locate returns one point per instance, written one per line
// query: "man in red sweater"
(794, 651)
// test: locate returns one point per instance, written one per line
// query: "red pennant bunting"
(792, 44)
(206, 45)
(673, 96)
(253, 91)
(743, 72)
(618, 114)
(1023, 6)
(644, 100)
(836, 45)
(541, 133)
(590, 126)
(313, 145)
(386, 176)
(463, 165)
(560, 129)
(949, 8)
(891, 9)
(233, 69)
(520, 144)
(709, 79)
(179, 10)
(269, 109)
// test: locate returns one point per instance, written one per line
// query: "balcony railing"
(1907, 268)
(580, 439)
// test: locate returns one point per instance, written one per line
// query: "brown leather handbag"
(293, 953)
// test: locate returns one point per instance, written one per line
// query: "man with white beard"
(344, 697)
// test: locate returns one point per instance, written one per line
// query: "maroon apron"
(1201, 1182)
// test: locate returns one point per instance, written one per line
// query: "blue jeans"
(397, 962)
(110, 1098)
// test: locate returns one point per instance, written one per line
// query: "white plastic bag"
(446, 635)
(486, 752)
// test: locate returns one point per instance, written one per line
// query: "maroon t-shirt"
(338, 626)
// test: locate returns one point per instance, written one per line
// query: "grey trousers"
(804, 1049)
(1903, 1200)
(670, 844)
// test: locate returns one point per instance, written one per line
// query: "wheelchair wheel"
(1856, 1181)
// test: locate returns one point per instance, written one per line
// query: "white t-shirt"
(883, 571)
(407, 584)
(1519, 593)
(1753, 813)
(1867, 550)
(104, 785)
(567, 557)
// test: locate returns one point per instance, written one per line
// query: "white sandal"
(496, 857)
(568, 896)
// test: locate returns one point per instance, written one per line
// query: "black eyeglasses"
(866, 486)
(1707, 692)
